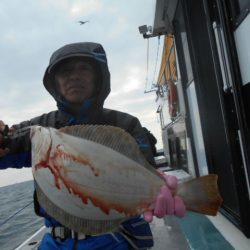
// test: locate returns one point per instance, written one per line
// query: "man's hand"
(166, 203)
(3, 151)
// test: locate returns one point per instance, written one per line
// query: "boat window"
(183, 55)
(165, 114)
(241, 35)
(197, 131)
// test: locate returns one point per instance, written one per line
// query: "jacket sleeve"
(20, 154)
(136, 130)
(133, 126)
(20, 147)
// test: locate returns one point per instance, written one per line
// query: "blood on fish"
(103, 204)
(44, 164)
(61, 154)
(82, 193)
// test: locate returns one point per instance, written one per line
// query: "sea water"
(16, 206)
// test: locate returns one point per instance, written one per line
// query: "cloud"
(83, 9)
(129, 79)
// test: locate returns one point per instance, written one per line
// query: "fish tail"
(201, 194)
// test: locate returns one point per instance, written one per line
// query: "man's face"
(75, 80)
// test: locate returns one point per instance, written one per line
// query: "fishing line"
(13, 215)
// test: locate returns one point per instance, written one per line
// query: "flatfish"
(90, 178)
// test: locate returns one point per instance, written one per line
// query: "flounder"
(90, 178)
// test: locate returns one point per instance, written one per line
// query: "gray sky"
(32, 29)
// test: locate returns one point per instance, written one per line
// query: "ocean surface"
(21, 224)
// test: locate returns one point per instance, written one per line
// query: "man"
(79, 80)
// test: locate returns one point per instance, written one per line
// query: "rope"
(147, 55)
(13, 215)
(157, 54)
(146, 82)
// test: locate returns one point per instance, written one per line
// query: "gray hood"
(89, 51)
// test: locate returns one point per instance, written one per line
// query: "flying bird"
(82, 22)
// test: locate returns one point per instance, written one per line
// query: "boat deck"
(194, 231)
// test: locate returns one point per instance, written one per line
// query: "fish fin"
(201, 194)
(113, 137)
(80, 225)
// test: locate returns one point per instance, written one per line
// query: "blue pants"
(113, 241)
